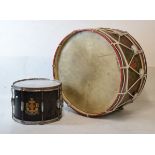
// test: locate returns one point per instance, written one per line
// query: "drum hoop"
(37, 122)
(55, 69)
(36, 89)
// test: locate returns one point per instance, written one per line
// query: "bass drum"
(101, 70)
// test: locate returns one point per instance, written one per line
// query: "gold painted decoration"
(32, 107)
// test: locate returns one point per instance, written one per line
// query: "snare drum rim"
(36, 89)
(37, 122)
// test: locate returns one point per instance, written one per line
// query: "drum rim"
(42, 122)
(51, 88)
(55, 71)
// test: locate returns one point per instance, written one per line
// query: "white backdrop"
(27, 47)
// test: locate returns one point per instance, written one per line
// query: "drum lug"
(13, 106)
(42, 107)
(22, 106)
(12, 101)
(59, 104)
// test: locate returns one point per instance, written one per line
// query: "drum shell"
(48, 104)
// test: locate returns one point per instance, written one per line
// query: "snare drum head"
(88, 68)
(36, 83)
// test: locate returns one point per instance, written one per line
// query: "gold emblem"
(32, 107)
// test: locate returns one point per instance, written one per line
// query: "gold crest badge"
(32, 107)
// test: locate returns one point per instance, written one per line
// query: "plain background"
(78, 144)
(27, 49)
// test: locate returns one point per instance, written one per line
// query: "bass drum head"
(88, 68)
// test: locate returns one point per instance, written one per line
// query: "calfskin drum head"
(89, 71)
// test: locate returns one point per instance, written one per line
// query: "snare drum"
(36, 101)
(101, 70)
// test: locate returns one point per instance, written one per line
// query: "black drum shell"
(48, 104)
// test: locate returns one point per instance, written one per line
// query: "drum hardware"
(12, 104)
(59, 104)
(22, 106)
(60, 101)
(42, 106)
(12, 101)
